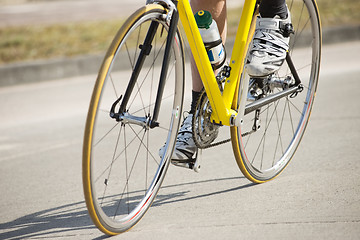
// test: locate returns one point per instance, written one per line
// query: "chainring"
(204, 131)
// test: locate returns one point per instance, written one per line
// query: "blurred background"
(49, 29)
(50, 52)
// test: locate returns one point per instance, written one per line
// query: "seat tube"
(239, 51)
(219, 115)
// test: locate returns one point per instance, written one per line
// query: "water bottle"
(211, 37)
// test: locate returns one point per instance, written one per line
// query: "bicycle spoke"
(299, 69)
(113, 85)
(147, 149)
(128, 53)
(145, 77)
(137, 42)
(290, 115)
(296, 108)
(128, 176)
(152, 104)
(110, 167)
(264, 141)
(266, 128)
(118, 156)
(147, 162)
(298, 23)
(106, 134)
(279, 139)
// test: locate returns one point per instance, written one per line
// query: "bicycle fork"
(147, 121)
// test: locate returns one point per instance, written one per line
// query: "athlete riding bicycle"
(266, 100)
(267, 54)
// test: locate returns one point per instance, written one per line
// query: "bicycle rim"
(122, 168)
(263, 154)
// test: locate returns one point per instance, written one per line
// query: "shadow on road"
(64, 221)
(181, 196)
(61, 221)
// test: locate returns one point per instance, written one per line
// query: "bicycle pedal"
(193, 163)
(189, 164)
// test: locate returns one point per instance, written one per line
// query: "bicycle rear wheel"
(122, 169)
(269, 136)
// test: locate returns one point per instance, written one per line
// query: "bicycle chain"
(221, 142)
(213, 144)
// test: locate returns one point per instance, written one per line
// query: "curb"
(341, 34)
(45, 70)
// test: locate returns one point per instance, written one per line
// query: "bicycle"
(132, 113)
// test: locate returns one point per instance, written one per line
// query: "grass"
(26, 43)
(62, 40)
(337, 13)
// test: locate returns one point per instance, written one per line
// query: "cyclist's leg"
(185, 147)
(270, 8)
(270, 44)
(217, 8)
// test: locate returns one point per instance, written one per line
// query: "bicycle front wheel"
(122, 166)
(268, 137)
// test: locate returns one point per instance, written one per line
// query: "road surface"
(316, 197)
(24, 12)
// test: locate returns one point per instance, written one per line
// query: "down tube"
(220, 114)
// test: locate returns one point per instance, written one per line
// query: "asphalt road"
(317, 197)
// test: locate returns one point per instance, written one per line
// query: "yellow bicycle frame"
(223, 104)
